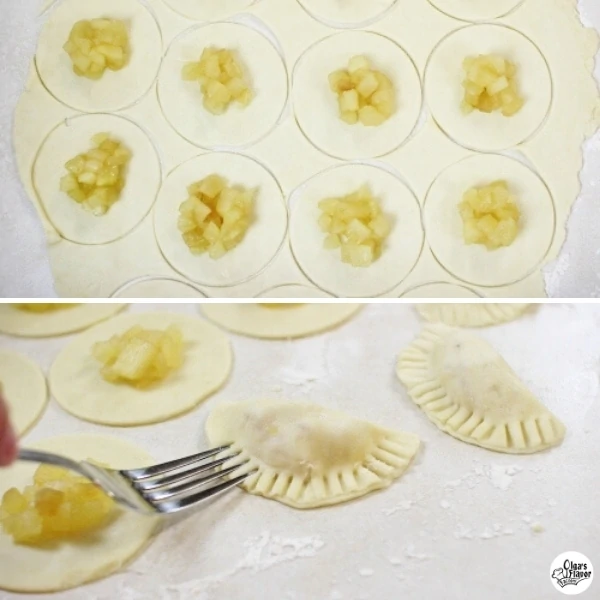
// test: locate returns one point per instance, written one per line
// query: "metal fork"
(160, 489)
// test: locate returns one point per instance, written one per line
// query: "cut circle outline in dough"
(79, 388)
(239, 127)
(266, 234)
(208, 10)
(434, 289)
(116, 90)
(293, 290)
(71, 564)
(23, 386)
(471, 315)
(143, 176)
(158, 286)
(257, 321)
(316, 108)
(465, 387)
(487, 132)
(330, 13)
(324, 268)
(467, 10)
(474, 264)
(23, 323)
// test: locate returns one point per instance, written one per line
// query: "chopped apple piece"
(43, 308)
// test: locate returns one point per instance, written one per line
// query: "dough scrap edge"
(429, 394)
(471, 315)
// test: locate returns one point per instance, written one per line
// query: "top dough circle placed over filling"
(346, 12)
(116, 89)
(476, 10)
(208, 10)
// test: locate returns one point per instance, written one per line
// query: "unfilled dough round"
(325, 268)
(68, 564)
(474, 263)
(294, 290)
(317, 109)
(282, 322)
(476, 10)
(78, 386)
(143, 177)
(158, 287)
(440, 289)
(24, 323)
(444, 92)
(181, 101)
(116, 89)
(263, 238)
(208, 10)
(346, 12)
(23, 386)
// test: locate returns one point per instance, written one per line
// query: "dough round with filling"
(158, 287)
(282, 322)
(78, 386)
(116, 89)
(68, 564)
(142, 179)
(305, 455)
(471, 315)
(263, 238)
(440, 289)
(294, 290)
(23, 386)
(476, 10)
(324, 267)
(23, 323)
(316, 106)
(181, 101)
(444, 93)
(474, 263)
(208, 10)
(346, 12)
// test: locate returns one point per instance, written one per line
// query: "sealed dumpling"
(467, 389)
(471, 315)
(305, 455)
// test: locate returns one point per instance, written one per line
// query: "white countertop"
(458, 525)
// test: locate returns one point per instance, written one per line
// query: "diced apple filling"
(140, 357)
(97, 45)
(355, 224)
(222, 80)
(216, 216)
(490, 84)
(364, 94)
(43, 308)
(96, 178)
(490, 216)
(58, 505)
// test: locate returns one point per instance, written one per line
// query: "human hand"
(8, 440)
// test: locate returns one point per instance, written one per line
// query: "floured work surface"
(456, 506)
(295, 136)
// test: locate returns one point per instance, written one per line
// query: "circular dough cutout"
(474, 263)
(158, 287)
(325, 267)
(262, 241)
(78, 386)
(444, 92)
(440, 289)
(208, 10)
(116, 89)
(23, 386)
(476, 10)
(68, 564)
(143, 177)
(294, 290)
(23, 323)
(181, 101)
(316, 106)
(283, 322)
(346, 13)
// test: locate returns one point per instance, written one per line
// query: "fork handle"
(51, 459)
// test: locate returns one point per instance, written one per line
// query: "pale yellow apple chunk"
(96, 178)
(43, 308)
(490, 85)
(490, 216)
(365, 95)
(97, 45)
(356, 225)
(222, 80)
(140, 357)
(216, 216)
